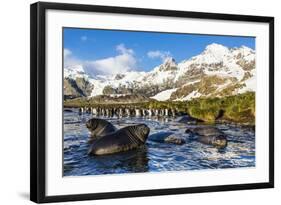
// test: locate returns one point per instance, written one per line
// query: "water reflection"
(131, 161)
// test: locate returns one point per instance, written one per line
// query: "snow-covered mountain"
(217, 71)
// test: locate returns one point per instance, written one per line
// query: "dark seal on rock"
(209, 135)
(127, 138)
(99, 128)
(168, 137)
(175, 140)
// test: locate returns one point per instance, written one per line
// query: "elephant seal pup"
(209, 135)
(127, 138)
(98, 128)
(168, 137)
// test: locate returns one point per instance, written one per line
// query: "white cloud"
(123, 50)
(159, 54)
(84, 38)
(124, 61)
(66, 52)
(69, 59)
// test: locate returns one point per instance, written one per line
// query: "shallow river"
(154, 156)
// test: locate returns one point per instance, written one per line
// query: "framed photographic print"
(129, 102)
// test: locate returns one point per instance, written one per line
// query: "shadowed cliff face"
(78, 87)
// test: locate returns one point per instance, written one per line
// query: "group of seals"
(209, 135)
(106, 139)
(204, 134)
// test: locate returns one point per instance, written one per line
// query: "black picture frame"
(38, 100)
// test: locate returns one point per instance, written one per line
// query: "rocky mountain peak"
(170, 61)
(213, 54)
(168, 65)
(216, 48)
(119, 76)
(243, 51)
(74, 72)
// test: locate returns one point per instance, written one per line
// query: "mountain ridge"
(218, 71)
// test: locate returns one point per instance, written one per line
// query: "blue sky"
(140, 50)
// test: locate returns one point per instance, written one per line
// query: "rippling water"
(154, 156)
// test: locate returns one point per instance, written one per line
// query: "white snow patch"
(164, 95)
(193, 94)
(250, 85)
(98, 87)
